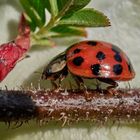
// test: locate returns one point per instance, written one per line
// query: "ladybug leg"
(54, 84)
(98, 87)
(80, 83)
(57, 86)
(109, 81)
(112, 83)
(78, 80)
(61, 77)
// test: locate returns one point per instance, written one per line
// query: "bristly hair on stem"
(70, 106)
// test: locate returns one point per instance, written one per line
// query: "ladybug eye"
(48, 71)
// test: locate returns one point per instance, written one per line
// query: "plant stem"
(67, 106)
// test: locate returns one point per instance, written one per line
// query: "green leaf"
(31, 19)
(68, 6)
(30, 22)
(63, 31)
(74, 6)
(87, 17)
(39, 9)
(43, 42)
(54, 8)
(46, 4)
(35, 12)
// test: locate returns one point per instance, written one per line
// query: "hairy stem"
(70, 106)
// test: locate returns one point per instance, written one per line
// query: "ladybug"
(93, 60)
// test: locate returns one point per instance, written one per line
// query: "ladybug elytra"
(91, 59)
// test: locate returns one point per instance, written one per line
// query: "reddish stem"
(70, 105)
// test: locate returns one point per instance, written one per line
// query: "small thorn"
(39, 86)
(65, 121)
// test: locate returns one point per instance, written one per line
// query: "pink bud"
(12, 52)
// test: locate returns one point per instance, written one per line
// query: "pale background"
(124, 32)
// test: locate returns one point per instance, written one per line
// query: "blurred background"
(124, 32)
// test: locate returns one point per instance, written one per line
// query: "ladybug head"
(54, 69)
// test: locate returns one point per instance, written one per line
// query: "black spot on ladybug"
(117, 69)
(116, 49)
(95, 69)
(92, 43)
(78, 60)
(76, 51)
(117, 57)
(100, 55)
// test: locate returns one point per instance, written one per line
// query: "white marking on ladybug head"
(56, 67)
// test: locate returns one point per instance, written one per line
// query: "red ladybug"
(91, 59)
